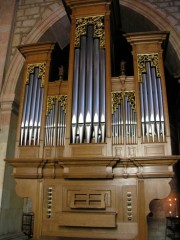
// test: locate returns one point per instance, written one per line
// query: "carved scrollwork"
(131, 98)
(142, 59)
(116, 98)
(41, 73)
(51, 101)
(81, 24)
(63, 101)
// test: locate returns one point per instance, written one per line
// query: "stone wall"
(29, 12)
(169, 8)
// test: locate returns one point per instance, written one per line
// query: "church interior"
(90, 120)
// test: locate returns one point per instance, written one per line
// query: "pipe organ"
(55, 128)
(88, 104)
(31, 116)
(93, 150)
(152, 110)
(124, 123)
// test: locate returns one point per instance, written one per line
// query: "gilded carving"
(81, 24)
(63, 101)
(116, 98)
(131, 98)
(51, 101)
(41, 73)
(142, 59)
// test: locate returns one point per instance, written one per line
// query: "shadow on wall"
(160, 209)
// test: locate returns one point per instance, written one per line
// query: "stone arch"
(157, 18)
(8, 91)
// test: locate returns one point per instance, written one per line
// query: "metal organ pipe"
(142, 110)
(24, 114)
(37, 112)
(89, 83)
(59, 125)
(102, 94)
(146, 107)
(81, 97)
(75, 94)
(150, 99)
(156, 103)
(159, 90)
(96, 89)
(40, 112)
(32, 114)
(27, 118)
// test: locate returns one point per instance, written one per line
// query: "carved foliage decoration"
(41, 73)
(97, 21)
(51, 101)
(131, 98)
(142, 59)
(116, 98)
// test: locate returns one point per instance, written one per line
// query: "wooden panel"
(88, 200)
(88, 219)
(88, 150)
(28, 152)
(154, 150)
(107, 191)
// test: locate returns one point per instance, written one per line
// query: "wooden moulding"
(146, 167)
(63, 168)
(91, 168)
(104, 220)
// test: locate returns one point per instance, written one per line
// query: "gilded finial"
(61, 72)
(122, 67)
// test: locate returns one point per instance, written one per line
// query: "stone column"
(7, 13)
(10, 204)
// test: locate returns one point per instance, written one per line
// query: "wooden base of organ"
(106, 198)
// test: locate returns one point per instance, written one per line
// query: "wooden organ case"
(93, 151)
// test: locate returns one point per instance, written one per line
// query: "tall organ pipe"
(28, 109)
(96, 89)
(37, 112)
(142, 110)
(102, 93)
(161, 107)
(150, 95)
(59, 125)
(89, 83)
(24, 114)
(149, 89)
(32, 114)
(146, 105)
(81, 97)
(160, 99)
(75, 94)
(40, 112)
(156, 103)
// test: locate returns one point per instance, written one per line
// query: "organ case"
(91, 148)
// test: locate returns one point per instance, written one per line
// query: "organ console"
(93, 150)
